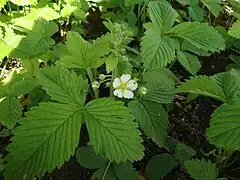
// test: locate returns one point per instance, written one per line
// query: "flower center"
(123, 86)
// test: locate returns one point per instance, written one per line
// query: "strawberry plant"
(117, 88)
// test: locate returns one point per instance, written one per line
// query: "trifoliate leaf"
(37, 41)
(153, 119)
(160, 166)
(10, 111)
(113, 134)
(224, 128)
(213, 6)
(81, 53)
(156, 50)
(24, 2)
(190, 62)
(125, 171)
(183, 152)
(162, 15)
(201, 35)
(63, 85)
(202, 169)
(203, 85)
(235, 30)
(196, 13)
(224, 86)
(86, 157)
(160, 87)
(47, 137)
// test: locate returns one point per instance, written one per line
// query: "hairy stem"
(106, 170)
(90, 75)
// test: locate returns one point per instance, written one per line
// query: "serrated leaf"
(47, 137)
(153, 119)
(224, 126)
(162, 15)
(190, 62)
(201, 35)
(82, 54)
(183, 152)
(201, 169)
(160, 87)
(235, 30)
(124, 67)
(113, 134)
(125, 171)
(156, 50)
(111, 63)
(213, 6)
(187, 46)
(203, 85)
(10, 111)
(2, 3)
(37, 41)
(196, 13)
(86, 157)
(160, 166)
(63, 85)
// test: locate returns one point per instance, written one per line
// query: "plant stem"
(106, 170)
(90, 75)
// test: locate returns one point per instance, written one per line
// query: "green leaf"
(160, 87)
(156, 50)
(153, 119)
(125, 171)
(10, 111)
(190, 62)
(86, 157)
(99, 173)
(187, 46)
(63, 85)
(160, 166)
(47, 137)
(196, 13)
(213, 6)
(113, 134)
(82, 54)
(224, 128)
(203, 85)
(235, 30)
(201, 35)
(133, 2)
(183, 152)
(38, 40)
(201, 169)
(162, 15)
(2, 3)
(24, 2)
(111, 62)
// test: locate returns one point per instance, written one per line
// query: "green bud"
(143, 90)
(101, 77)
(95, 85)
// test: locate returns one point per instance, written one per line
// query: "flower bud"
(143, 90)
(95, 85)
(101, 77)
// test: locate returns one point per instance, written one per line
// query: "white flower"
(124, 86)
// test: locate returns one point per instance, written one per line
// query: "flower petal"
(132, 85)
(118, 93)
(125, 78)
(116, 83)
(128, 94)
